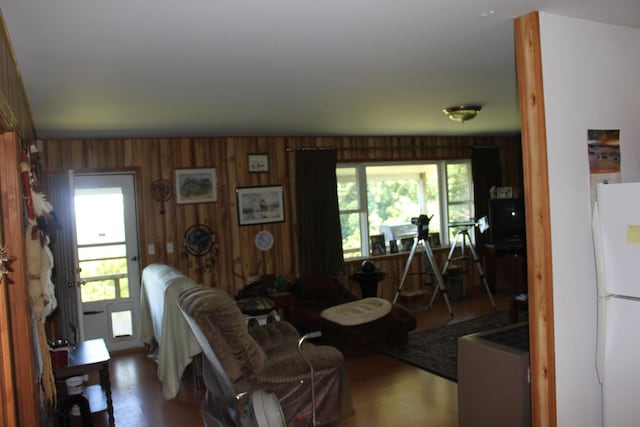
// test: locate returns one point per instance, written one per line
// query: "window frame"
(363, 206)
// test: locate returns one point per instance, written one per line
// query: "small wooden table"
(89, 356)
(286, 302)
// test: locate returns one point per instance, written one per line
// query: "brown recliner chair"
(315, 294)
(269, 358)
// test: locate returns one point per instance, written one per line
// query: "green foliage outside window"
(397, 193)
(102, 290)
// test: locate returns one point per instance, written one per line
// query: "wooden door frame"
(536, 183)
(23, 404)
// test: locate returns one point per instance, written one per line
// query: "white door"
(65, 262)
(106, 274)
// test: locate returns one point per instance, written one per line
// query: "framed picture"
(260, 205)
(406, 244)
(377, 244)
(434, 239)
(504, 192)
(196, 185)
(258, 163)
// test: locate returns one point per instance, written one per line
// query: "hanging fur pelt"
(41, 289)
(39, 266)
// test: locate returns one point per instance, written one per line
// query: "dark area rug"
(436, 350)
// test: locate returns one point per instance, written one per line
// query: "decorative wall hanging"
(196, 186)
(161, 191)
(264, 240)
(39, 266)
(5, 264)
(258, 163)
(199, 240)
(260, 205)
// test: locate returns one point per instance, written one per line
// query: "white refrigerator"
(616, 235)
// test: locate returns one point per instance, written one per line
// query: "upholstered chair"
(266, 358)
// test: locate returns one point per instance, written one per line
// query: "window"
(382, 198)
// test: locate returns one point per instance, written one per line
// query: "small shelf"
(96, 397)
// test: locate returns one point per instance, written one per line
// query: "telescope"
(422, 222)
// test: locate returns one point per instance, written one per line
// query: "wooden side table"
(89, 356)
(287, 302)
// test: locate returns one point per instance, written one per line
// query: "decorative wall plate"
(198, 240)
(264, 240)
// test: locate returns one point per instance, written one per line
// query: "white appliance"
(616, 235)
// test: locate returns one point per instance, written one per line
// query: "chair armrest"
(274, 335)
(290, 365)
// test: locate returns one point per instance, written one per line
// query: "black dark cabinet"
(506, 267)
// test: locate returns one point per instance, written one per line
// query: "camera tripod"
(463, 235)
(428, 253)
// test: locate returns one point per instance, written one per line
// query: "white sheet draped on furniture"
(161, 319)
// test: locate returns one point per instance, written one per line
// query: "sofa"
(313, 295)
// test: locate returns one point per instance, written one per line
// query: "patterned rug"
(436, 350)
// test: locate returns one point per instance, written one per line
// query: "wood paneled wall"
(19, 385)
(15, 114)
(158, 158)
(19, 403)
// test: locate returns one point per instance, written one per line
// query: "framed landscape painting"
(260, 205)
(196, 186)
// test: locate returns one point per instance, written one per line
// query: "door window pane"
(101, 267)
(102, 251)
(124, 288)
(98, 290)
(99, 215)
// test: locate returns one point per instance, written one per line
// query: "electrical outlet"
(169, 247)
(151, 249)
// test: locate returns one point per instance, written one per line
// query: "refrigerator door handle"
(602, 295)
(598, 252)
(601, 338)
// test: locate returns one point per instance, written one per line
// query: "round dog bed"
(357, 312)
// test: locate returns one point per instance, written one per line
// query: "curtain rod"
(463, 147)
(310, 148)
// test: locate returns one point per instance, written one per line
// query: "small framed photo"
(259, 162)
(504, 192)
(406, 244)
(377, 244)
(196, 185)
(260, 205)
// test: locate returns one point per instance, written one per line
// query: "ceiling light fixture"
(462, 113)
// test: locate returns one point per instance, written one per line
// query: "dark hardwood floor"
(386, 392)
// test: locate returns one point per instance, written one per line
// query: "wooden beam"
(21, 336)
(536, 182)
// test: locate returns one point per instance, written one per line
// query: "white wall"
(591, 77)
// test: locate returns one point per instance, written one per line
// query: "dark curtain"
(487, 172)
(319, 233)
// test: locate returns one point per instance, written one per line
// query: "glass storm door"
(107, 257)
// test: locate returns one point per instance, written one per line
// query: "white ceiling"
(116, 68)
